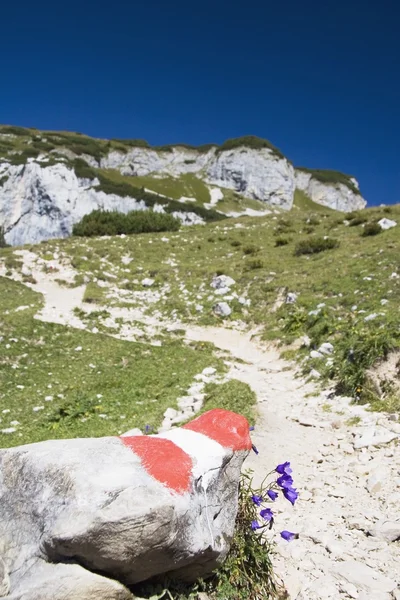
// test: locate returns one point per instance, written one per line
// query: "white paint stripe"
(206, 453)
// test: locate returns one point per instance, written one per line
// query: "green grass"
(187, 185)
(303, 203)
(88, 375)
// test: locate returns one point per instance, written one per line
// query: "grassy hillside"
(346, 283)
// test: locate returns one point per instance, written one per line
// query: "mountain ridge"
(50, 180)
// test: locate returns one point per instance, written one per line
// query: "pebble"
(389, 531)
(363, 577)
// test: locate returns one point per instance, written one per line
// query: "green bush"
(281, 241)
(83, 170)
(254, 263)
(101, 222)
(359, 220)
(371, 229)
(315, 245)
(251, 249)
(22, 158)
(249, 141)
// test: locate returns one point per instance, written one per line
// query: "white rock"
(375, 436)
(387, 223)
(375, 482)
(326, 348)
(222, 309)
(208, 371)
(386, 530)
(147, 282)
(291, 298)
(371, 317)
(222, 282)
(316, 354)
(363, 577)
(222, 291)
(315, 373)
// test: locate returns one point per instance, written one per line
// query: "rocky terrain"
(50, 180)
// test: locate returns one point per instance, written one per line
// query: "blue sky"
(321, 80)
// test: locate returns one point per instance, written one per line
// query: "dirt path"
(345, 490)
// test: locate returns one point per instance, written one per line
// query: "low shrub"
(315, 245)
(22, 157)
(371, 229)
(83, 170)
(254, 263)
(101, 222)
(359, 220)
(251, 249)
(281, 241)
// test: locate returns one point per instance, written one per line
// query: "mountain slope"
(50, 180)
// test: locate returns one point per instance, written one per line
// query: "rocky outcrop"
(130, 508)
(333, 195)
(254, 173)
(40, 202)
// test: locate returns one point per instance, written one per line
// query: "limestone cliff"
(50, 180)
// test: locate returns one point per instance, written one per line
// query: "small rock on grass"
(222, 309)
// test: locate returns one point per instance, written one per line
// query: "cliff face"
(333, 195)
(44, 194)
(256, 174)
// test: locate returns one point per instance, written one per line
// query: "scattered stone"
(375, 436)
(386, 530)
(208, 371)
(222, 282)
(291, 298)
(371, 317)
(315, 373)
(363, 577)
(375, 482)
(147, 282)
(326, 348)
(387, 223)
(316, 354)
(222, 309)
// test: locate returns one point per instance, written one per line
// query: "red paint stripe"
(225, 427)
(163, 460)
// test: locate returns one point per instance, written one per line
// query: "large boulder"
(128, 508)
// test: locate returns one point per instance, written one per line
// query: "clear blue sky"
(320, 79)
